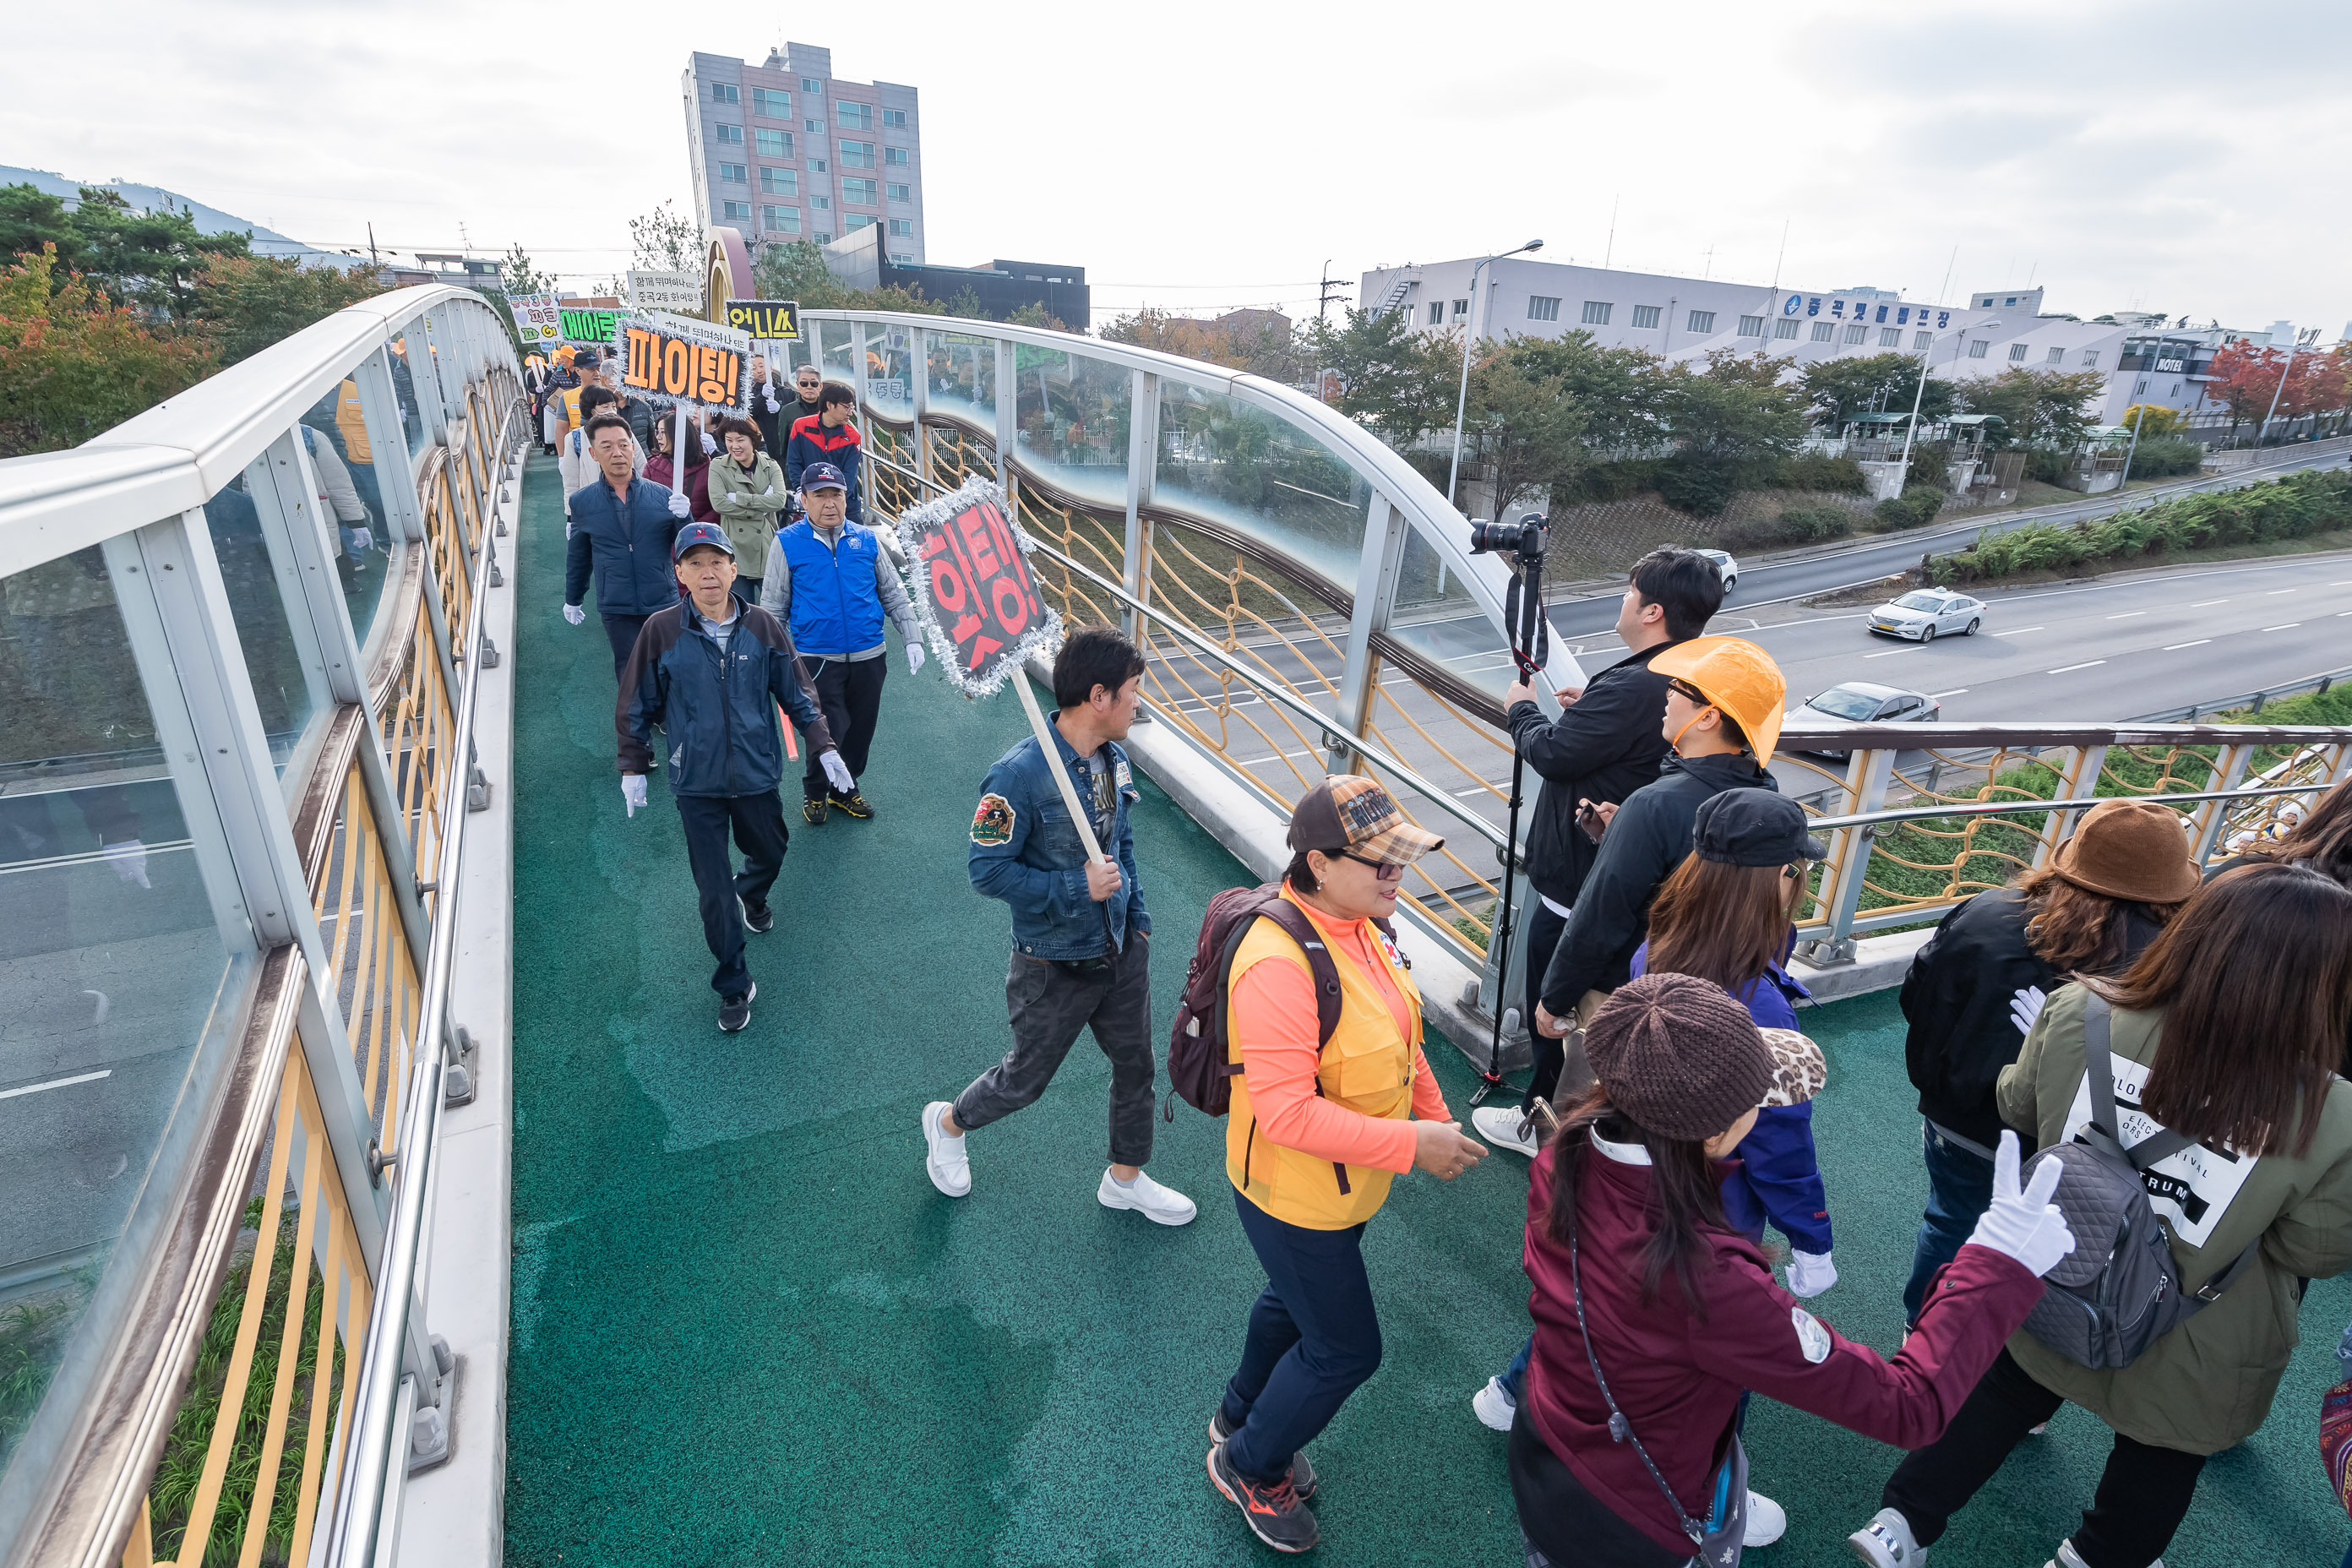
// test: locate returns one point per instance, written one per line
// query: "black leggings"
(2141, 1501)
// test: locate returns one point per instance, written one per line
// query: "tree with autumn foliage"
(75, 361)
(2247, 378)
(245, 303)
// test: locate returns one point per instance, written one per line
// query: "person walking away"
(1317, 1131)
(2227, 1032)
(621, 529)
(1604, 745)
(1081, 935)
(709, 675)
(769, 393)
(1975, 989)
(1654, 1319)
(830, 438)
(830, 580)
(662, 468)
(749, 492)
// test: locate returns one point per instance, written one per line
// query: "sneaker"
(1302, 1468)
(851, 804)
(735, 1011)
(1160, 1206)
(1506, 1127)
(812, 813)
(2069, 1558)
(1276, 1514)
(945, 1159)
(759, 921)
(1493, 1406)
(1767, 1522)
(1886, 1542)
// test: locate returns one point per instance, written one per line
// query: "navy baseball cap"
(822, 477)
(695, 533)
(586, 357)
(1754, 827)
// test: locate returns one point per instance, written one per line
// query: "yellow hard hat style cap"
(1739, 678)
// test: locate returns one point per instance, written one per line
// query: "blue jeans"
(1515, 1377)
(1959, 1190)
(1313, 1339)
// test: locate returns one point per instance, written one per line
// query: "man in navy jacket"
(621, 528)
(828, 436)
(711, 673)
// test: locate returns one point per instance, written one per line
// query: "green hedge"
(2156, 458)
(1797, 525)
(1917, 505)
(2295, 507)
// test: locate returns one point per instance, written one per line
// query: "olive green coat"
(749, 520)
(2208, 1383)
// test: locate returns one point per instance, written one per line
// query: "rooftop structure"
(994, 289)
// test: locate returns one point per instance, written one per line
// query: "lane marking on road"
(2127, 615)
(57, 1083)
(2019, 631)
(2202, 602)
(1955, 691)
(1482, 789)
(2068, 668)
(2274, 593)
(2177, 646)
(2286, 626)
(1890, 653)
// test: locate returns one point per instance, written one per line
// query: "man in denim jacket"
(1081, 947)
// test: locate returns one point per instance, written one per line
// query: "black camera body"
(1523, 538)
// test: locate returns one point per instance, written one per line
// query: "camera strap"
(1532, 660)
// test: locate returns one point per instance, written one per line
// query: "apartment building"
(784, 150)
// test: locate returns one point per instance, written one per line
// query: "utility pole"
(371, 261)
(1330, 286)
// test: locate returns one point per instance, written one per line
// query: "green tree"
(30, 217)
(1839, 389)
(664, 241)
(145, 259)
(75, 361)
(1618, 391)
(1522, 428)
(518, 274)
(2048, 409)
(245, 303)
(1732, 421)
(1395, 382)
(796, 271)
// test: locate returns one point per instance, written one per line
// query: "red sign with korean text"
(973, 575)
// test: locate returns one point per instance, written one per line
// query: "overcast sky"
(2154, 156)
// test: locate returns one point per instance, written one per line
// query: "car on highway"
(1725, 566)
(1855, 702)
(1924, 614)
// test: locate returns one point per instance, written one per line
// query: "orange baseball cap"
(1739, 678)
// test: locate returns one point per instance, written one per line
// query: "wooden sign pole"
(1079, 813)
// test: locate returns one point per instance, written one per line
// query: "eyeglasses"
(1382, 871)
(1685, 690)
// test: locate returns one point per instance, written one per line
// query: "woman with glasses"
(1321, 1121)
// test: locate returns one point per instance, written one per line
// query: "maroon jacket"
(697, 484)
(1678, 1378)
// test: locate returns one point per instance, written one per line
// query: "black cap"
(586, 357)
(1754, 827)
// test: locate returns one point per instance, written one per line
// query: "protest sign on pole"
(979, 609)
(536, 318)
(664, 292)
(677, 359)
(587, 326)
(771, 320)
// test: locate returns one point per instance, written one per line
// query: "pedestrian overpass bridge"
(377, 1191)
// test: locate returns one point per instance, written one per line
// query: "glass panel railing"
(1435, 617)
(837, 355)
(889, 364)
(963, 372)
(408, 352)
(289, 686)
(352, 496)
(1073, 413)
(1229, 463)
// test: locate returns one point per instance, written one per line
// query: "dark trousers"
(757, 821)
(1544, 929)
(1049, 1004)
(850, 695)
(2142, 1497)
(1313, 1339)
(1959, 1190)
(622, 632)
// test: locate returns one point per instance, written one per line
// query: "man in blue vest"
(622, 526)
(829, 580)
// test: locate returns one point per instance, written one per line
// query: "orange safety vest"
(351, 424)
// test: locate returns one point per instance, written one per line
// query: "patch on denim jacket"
(992, 825)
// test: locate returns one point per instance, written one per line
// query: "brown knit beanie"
(1678, 1055)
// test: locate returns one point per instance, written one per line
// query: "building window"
(2141, 390)
(1543, 308)
(903, 257)
(2010, 301)
(780, 220)
(1986, 301)
(1436, 311)
(1856, 334)
(1824, 332)
(896, 157)
(1596, 312)
(813, 127)
(857, 154)
(812, 86)
(2176, 389)
(773, 143)
(1921, 342)
(1784, 328)
(2090, 358)
(1977, 349)
(858, 221)
(728, 135)
(730, 174)
(822, 204)
(724, 92)
(781, 182)
(1645, 316)
(1889, 338)
(2016, 354)
(893, 120)
(2057, 356)
(1751, 326)
(1702, 322)
(736, 212)
(817, 164)
(1461, 309)
(854, 116)
(770, 104)
(899, 193)
(823, 237)
(902, 229)
(863, 192)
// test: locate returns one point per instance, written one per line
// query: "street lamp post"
(1469, 335)
(1959, 336)
(2285, 371)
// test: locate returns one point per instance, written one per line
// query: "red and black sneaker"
(1302, 1468)
(1275, 1513)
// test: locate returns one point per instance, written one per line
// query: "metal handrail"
(2013, 807)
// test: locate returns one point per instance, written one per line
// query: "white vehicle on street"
(1725, 566)
(1924, 614)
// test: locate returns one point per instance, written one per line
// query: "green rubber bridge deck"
(747, 1331)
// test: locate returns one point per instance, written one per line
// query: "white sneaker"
(1767, 1522)
(2069, 1558)
(949, 1166)
(1160, 1206)
(1505, 1127)
(1494, 1406)
(1886, 1542)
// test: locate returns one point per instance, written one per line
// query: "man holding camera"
(1604, 745)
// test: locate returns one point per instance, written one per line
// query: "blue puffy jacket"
(1780, 1176)
(627, 546)
(836, 605)
(1027, 851)
(717, 708)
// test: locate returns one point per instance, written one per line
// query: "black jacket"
(1650, 835)
(716, 706)
(1957, 997)
(773, 427)
(1605, 746)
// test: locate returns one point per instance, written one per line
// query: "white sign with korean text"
(681, 291)
(2191, 1191)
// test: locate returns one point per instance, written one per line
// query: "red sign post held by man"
(981, 610)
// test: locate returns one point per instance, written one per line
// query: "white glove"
(733, 499)
(1810, 1273)
(772, 406)
(361, 539)
(836, 773)
(2025, 1225)
(709, 446)
(678, 505)
(129, 859)
(632, 791)
(914, 658)
(2024, 1006)
(575, 613)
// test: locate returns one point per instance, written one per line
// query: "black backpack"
(2119, 1290)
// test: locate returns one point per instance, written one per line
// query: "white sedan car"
(1924, 612)
(1725, 566)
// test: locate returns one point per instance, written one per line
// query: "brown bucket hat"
(2133, 849)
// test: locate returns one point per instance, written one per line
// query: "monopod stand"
(1530, 637)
